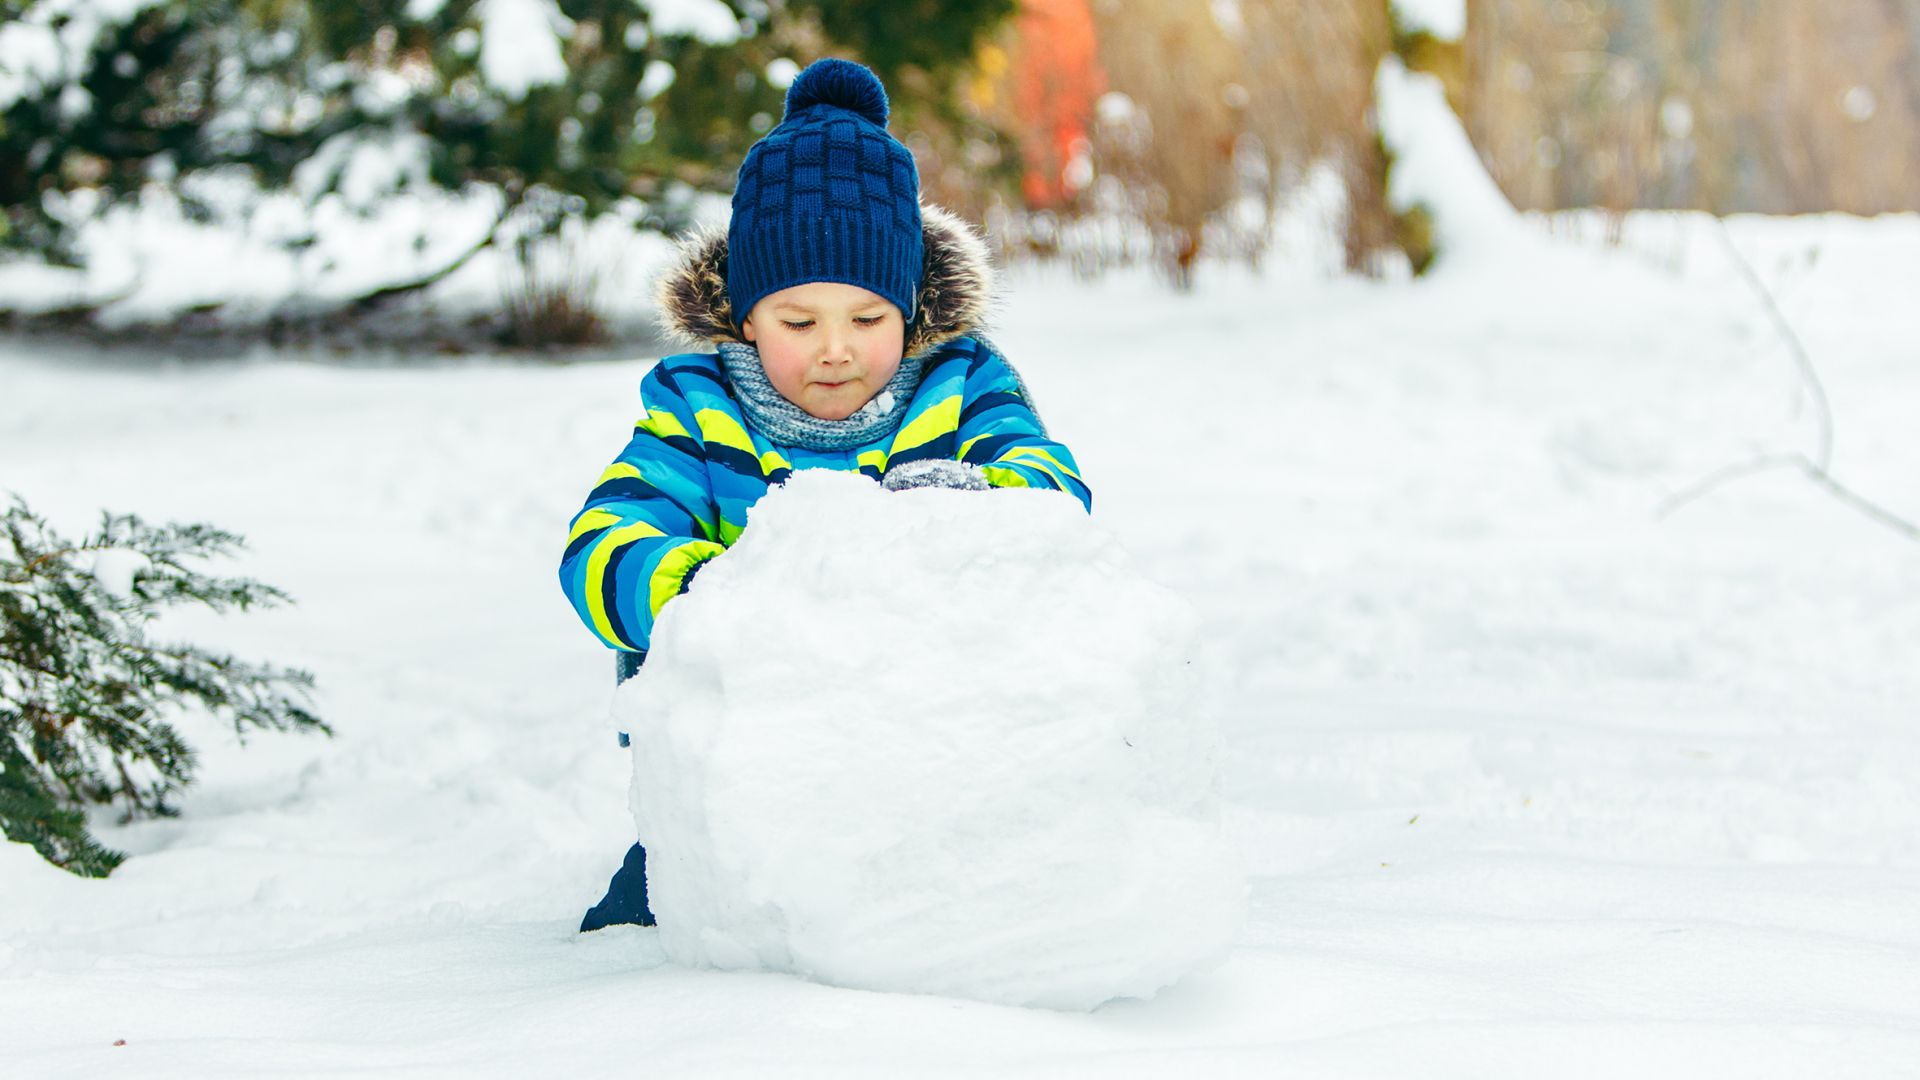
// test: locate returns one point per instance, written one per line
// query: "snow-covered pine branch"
(309, 161)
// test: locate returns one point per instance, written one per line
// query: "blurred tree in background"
(1202, 118)
(1769, 106)
(1103, 131)
(587, 102)
(1179, 129)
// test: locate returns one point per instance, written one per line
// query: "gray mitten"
(935, 472)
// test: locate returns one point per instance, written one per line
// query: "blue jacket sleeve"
(646, 526)
(1000, 432)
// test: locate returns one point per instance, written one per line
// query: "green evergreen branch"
(84, 695)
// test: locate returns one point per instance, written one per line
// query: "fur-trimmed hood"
(956, 286)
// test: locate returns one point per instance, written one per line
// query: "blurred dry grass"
(1241, 103)
(1773, 106)
(553, 297)
(1173, 149)
(1218, 110)
(1169, 130)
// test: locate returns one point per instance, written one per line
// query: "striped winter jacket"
(678, 494)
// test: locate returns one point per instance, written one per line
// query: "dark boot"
(626, 899)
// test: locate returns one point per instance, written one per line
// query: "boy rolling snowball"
(938, 741)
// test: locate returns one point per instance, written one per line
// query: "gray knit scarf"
(790, 425)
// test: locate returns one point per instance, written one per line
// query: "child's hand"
(935, 472)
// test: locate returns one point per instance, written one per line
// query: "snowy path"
(1530, 782)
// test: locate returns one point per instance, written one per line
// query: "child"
(842, 313)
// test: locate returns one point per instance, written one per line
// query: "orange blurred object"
(1056, 79)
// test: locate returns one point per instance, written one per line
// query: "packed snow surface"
(935, 741)
(1531, 780)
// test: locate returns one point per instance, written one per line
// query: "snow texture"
(317, 245)
(708, 20)
(520, 45)
(937, 742)
(47, 46)
(1444, 19)
(1531, 781)
(1436, 166)
(366, 167)
(115, 569)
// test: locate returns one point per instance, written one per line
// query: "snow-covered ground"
(1530, 781)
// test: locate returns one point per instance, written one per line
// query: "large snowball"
(931, 741)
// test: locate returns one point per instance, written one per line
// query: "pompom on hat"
(828, 195)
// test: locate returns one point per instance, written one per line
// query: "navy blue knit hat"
(828, 195)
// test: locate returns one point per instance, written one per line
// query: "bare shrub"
(1174, 146)
(1213, 115)
(1309, 68)
(556, 311)
(1222, 109)
(552, 295)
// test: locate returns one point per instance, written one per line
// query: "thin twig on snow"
(1813, 468)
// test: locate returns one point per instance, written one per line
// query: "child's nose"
(839, 346)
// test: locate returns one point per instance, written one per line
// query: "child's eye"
(796, 325)
(870, 320)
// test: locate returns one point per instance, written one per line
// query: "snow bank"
(359, 218)
(934, 741)
(1444, 19)
(1435, 165)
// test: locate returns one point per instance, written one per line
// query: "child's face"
(827, 347)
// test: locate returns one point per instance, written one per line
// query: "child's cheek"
(883, 353)
(786, 363)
